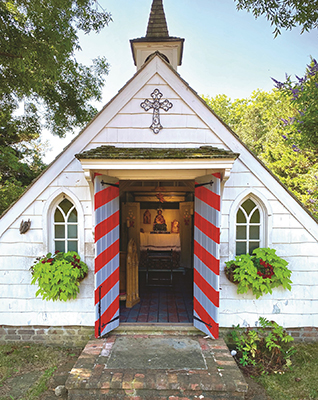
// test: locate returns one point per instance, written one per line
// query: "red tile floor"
(162, 304)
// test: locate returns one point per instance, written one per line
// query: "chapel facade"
(156, 194)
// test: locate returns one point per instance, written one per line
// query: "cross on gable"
(156, 104)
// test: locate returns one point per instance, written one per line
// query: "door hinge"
(109, 322)
(110, 184)
(203, 184)
(200, 320)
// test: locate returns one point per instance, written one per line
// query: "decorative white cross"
(156, 104)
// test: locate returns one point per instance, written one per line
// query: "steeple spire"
(157, 24)
(157, 39)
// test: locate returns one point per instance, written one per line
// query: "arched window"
(65, 227)
(248, 227)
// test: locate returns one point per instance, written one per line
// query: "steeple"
(157, 39)
(157, 24)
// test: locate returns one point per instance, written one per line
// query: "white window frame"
(65, 225)
(248, 224)
(48, 220)
(265, 219)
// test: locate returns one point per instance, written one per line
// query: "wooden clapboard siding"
(292, 241)
(18, 252)
(182, 126)
(188, 124)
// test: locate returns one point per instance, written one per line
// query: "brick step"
(153, 395)
(154, 366)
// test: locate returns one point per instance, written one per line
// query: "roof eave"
(159, 40)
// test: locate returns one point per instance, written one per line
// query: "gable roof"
(156, 64)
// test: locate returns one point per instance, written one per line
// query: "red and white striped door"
(206, 254)
(106, 200)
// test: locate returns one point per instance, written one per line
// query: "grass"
(300, 382)
(20, 358)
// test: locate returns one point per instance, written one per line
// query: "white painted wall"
(188, 124)
(295, 308)
(182, 126)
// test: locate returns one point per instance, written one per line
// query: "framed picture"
(147, 217)
(175, 226)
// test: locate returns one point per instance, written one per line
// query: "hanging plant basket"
(59, 275)
(229, 273)
(260, 272)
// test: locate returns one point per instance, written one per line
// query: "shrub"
(59, 275)
(263, 350)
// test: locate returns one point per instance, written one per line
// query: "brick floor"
(220, 379)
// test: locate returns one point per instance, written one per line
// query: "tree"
(285, 14)
(38, 66)
(302, 123)
(42, 85)
(259, 122)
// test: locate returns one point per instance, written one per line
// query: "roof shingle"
(133, 153)
(157, 24)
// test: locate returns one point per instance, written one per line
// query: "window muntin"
(65, 227)
(248, 227)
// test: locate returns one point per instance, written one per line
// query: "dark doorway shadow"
(162, 304)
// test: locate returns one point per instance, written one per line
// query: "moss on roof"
(133, 153)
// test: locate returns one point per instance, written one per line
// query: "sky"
(225, 51)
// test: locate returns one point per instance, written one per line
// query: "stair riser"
(151, 395)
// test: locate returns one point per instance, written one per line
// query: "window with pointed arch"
(249, 223)
(65, 227)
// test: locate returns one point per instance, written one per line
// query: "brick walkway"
(96, 375)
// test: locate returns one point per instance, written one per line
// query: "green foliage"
(58, 276)
(260, 122)
(42, 84)
(302, 125)
(298, 171)
(256, 120)
(38, 42)
(19, 164)
(285, 14)
(263, 350)
(261, 272)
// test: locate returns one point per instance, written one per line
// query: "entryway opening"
(158, 215)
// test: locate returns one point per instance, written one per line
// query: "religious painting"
(175, 226)
(159, 223)
(147, 217)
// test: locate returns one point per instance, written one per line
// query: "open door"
(106, 204)
(206, 254)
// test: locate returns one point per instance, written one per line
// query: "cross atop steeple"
(157, 39)
(157, 24)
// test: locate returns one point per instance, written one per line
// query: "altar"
(159, 252)
(160, 241)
